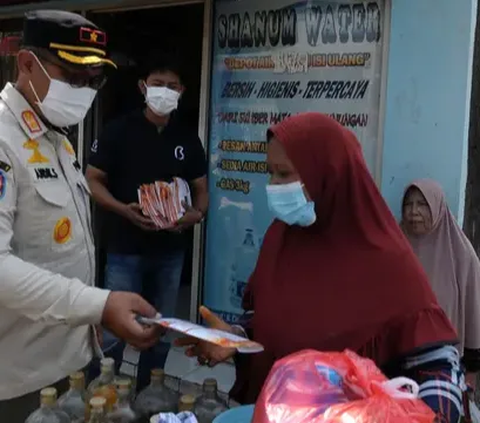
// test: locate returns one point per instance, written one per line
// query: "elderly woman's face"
(416, 213)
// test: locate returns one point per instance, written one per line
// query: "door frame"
(203, 128)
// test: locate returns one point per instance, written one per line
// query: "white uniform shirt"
(47, 259)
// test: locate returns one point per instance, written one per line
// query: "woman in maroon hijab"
(336, 272)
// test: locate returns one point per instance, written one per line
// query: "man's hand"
(133, 212)
(190, 218)
(119, 316)
(206, 352)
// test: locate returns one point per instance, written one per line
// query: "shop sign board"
(271, 60)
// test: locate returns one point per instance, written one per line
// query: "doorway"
(177, 31)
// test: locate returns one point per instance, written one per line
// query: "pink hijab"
(451, 264)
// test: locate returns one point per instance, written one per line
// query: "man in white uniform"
(48, 303)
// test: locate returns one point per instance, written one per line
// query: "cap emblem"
(93, 36)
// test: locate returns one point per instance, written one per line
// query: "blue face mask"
(289, 204)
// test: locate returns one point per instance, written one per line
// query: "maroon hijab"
(349, 281)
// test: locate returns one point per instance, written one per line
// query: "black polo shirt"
(132, 151)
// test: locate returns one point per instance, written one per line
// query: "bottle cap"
(187, 399)
(107, 361)
(77, 376)
(158, 373)
(210, 382)
(48, 396)
(77, 380)
(98, 402)
(48, 392)
(187, 403)
(123, 383)
(107, 364)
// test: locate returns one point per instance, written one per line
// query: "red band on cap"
(93, 36)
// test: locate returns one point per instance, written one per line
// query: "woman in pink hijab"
(449, 260)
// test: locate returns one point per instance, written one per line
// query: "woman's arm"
(441, 380)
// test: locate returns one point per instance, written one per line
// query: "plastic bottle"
(122, 378)
(242, 267)
(48, 411)
(122, 412)
(156, 398)
(97, 407)
(72, 402)
(103, 386)
(209, 405)
(186, 403)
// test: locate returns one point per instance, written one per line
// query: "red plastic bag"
(316, 387)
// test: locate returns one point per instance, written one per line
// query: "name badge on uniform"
(44, 173)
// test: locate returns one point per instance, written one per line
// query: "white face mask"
(161, 100)
(64, 105)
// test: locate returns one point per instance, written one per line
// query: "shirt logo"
(77, 166)
(45, 173)
(31, 121)
(94, 148)
(62, 231)
(36, 156)
(179, 153)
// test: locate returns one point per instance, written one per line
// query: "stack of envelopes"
(165, 202)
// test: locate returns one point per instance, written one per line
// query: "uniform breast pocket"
(44, 219)
(54, 194)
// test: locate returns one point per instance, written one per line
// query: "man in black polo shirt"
(143, 147)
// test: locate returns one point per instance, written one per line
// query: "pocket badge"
(62, 232)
